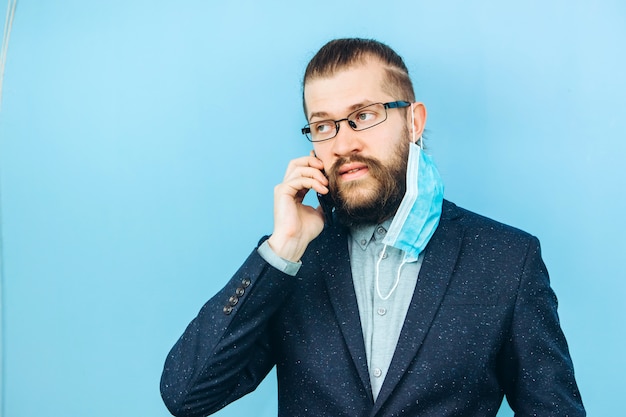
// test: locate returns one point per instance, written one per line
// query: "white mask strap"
(412, 123)
(396, 282)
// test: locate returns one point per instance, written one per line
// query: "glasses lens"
(323, 130)
(368, 116)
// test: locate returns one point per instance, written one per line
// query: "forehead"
(345, 90)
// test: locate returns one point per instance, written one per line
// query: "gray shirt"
(384, 286)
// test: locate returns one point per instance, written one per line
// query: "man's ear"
(418, 119)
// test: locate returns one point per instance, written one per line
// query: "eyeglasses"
(361, 119)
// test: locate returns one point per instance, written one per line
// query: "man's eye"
(323, 127)
(365, 117)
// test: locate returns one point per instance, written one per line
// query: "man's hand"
(295, 224)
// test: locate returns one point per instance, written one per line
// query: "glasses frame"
(306, 130)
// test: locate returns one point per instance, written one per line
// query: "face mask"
(420, 209)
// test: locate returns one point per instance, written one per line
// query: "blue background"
(140, 142)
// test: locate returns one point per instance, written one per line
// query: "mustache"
(369, 162)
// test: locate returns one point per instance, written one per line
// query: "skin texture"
(296, 224)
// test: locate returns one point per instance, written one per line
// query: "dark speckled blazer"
(482, 324)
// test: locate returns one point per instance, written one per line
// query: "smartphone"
(326, 202)
(328, 206)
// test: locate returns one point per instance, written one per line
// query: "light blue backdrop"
(140, 142)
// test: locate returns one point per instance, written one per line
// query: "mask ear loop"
(396, 282)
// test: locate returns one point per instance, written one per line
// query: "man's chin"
(357, 194)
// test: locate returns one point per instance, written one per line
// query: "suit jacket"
(482, 324)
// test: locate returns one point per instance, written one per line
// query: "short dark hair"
(340, 54)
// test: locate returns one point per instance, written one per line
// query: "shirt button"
(363, 242)
(381, 230)
(240, 291)
(382, 311)
(227, 310)
(377, 372)
(233, 300)
(384, 255)
(245, 283)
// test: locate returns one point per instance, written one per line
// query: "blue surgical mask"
(420, 209)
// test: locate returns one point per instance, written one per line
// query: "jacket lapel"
(435, 274)
(338, 276)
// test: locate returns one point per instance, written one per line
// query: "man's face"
(366, 169)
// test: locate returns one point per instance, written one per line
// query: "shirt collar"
(362, 235)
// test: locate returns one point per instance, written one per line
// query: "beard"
(375, 198)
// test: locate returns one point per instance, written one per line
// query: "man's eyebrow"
(320, 114)
(325, 116)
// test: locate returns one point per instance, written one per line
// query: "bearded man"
(386, 300)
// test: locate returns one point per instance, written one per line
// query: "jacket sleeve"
(538, 372)
(225, 352)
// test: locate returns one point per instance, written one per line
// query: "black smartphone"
(326, 202)
(328, 206)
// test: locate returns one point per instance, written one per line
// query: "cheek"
(324, 153)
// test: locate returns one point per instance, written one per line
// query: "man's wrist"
(286, 248)
(282, 264)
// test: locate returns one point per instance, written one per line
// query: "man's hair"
(340, 54)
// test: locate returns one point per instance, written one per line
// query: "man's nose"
(347, 141)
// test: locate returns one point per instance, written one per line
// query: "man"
(400, 303)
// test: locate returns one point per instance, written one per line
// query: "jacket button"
(245, 283)
(233, 300)
(227, 310)
(240, 291)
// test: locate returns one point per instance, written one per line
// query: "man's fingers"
(305, 162)
(298, 184)
(308, 172)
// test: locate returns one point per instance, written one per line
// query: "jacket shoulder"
(474, 222)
